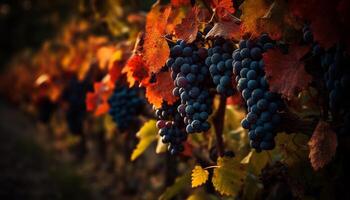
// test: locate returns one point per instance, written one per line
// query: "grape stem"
(219, 125)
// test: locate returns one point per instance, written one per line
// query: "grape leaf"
(97, 101)
(201, 195)
(178, 3)
(223, 8)
(188, 28)
(155, 48)
(161, 90)
(327, 20)
(180, 184)
(285, 72)
(188, 149)
(255, 161)
(147, 134)
(228, 29)
(323, 145)
(135, 70)
(161, 147)
(199, 176)
(103, 55)
(228, 177)
(278, 22)
(252, 11)
(116, 64)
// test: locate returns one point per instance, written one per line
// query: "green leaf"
(180, 183)
(147, 134)
(229, 176)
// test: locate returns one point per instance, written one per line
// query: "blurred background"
(51, 148)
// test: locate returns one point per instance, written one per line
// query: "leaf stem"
(219, 125)
(213, 166)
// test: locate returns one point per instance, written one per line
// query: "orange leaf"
(156, 50)
(223, 7)
(135, 70)
(285, 72)
(161, 90)
(177, 3)
(252, 11)
(227, 29)
(97, 101)
(103, 56)
(188, 28)
(323, 145)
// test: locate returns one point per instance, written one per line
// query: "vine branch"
(219, 125)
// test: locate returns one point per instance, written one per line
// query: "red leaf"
(135, 70)
(323, 145)
(155, 48)
(161, 90)
(285, 72)
(188, 149)
(97, 101)
(328, 22)
(223, 7)
(188, 28)
(235, 99)
(178, 3)
(227, 29)
(114, 72)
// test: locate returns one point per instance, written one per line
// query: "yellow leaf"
(161, 147)
(117, 55)
(229, 176)
(257, 161)
(109, 126)
(201, 195)
(199, 176)
(147, 134)
(246, 159)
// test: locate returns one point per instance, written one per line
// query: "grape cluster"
(219, 61)
(308, 38)
(262, 117)
(125, 105)
(334, 62)
(337, 78)
(171, 127)
(190, 76)
(74, 95)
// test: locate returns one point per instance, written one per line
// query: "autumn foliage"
(219, 161)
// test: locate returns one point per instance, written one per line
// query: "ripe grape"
(262, 117)
(219, 62)
(125, 106)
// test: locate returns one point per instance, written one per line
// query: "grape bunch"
(337, 78)
(171, 127)
(125, 106)
(263, 105)
(74, 95)
(334, 62)
(190, 76)
(219, 61)
(308, 38)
